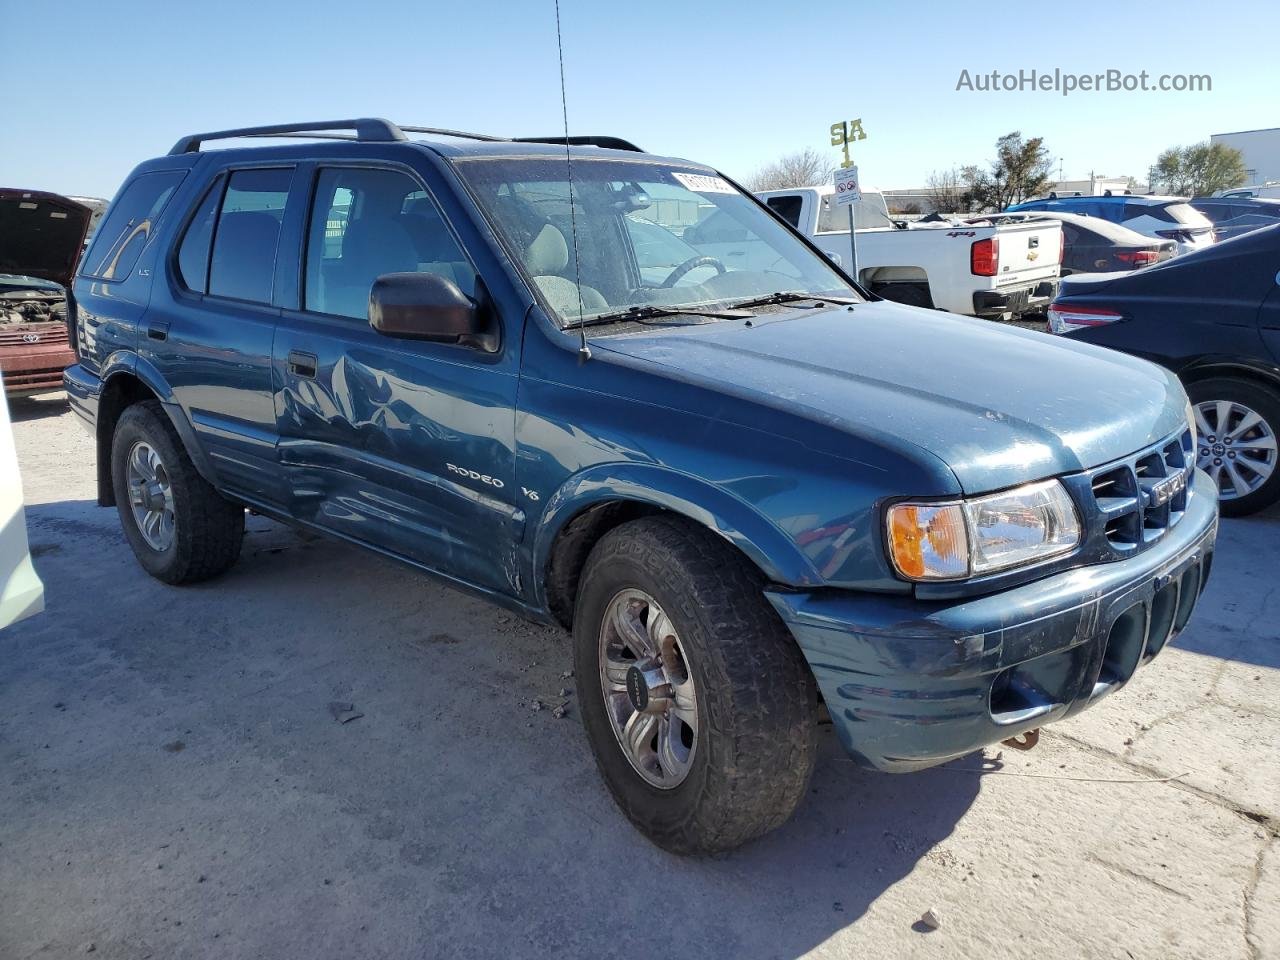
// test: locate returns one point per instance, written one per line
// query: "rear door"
(403, 445)
(210, 337)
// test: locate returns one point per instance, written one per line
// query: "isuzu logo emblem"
(1165, 489)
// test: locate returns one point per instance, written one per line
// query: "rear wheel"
(699, 706)
(179, 527)
(1237, 425)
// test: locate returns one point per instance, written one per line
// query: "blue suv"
(758, 497)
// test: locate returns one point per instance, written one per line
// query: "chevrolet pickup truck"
(750, 493)
(989, 270)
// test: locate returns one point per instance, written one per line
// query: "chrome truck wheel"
(150, 496)
(700, 708)
(649, 694)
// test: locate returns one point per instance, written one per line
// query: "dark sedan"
(1093, 245)
(1233, 216)
(1212, 317)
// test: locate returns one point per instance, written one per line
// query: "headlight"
(967, 538)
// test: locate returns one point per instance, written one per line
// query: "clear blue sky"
(90, 88)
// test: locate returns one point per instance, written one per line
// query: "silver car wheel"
(1236, 447)
(649, 693)
(150, 496)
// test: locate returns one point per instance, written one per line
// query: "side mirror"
(426, 306)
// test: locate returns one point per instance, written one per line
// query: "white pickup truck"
(984, 271)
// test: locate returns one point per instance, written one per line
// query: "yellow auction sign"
(845, 132)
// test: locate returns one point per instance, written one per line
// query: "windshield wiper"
(787, 296)
(652, 311)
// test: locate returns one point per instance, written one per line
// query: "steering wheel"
(692, 264)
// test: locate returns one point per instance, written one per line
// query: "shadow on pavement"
(448, 807)
(38, 407)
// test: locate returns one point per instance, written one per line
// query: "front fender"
(767, 546)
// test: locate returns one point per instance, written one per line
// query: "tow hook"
(1024, 741)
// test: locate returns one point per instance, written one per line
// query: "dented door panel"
(368, 440)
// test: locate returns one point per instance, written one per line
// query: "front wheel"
(179, 527)
(1237, 425)
(699, 707)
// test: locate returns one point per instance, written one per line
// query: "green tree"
(1198, 170)
(1020, 170)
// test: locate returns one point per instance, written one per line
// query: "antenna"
(584, 352)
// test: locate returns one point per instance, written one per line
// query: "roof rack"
(371, 129)
(377, 130)
(609, 143)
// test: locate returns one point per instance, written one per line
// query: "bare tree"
(946, 191)
(804, 168)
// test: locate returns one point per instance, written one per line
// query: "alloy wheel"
(150, 496)
(1235, 446)
(649, 692)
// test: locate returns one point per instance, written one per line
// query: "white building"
(1261, 149)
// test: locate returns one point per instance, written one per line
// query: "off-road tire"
(757, 700)
(208, 528)
(1265, 402)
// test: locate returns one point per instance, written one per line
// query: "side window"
(193, 252)
(365, 223)
(128, 225)
(788, 208)
(243, 264)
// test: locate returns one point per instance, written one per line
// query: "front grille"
(18, 335)
(1142, 496)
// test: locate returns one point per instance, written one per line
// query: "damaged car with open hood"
(759, 497)
(41, 237)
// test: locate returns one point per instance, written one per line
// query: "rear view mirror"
(425, 306)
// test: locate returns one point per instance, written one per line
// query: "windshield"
(648, 235)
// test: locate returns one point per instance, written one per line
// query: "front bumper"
(1033, 297)
(32, 361)
(910, 684)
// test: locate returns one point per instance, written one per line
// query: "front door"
(403, 445)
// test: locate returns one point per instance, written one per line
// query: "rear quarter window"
(128, 225)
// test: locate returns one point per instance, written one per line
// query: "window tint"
(128, 225)
(244, 244)
(365, 223)
(788, 208)
(193, 254)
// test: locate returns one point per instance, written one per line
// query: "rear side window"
(788, 208)
(243, 264)
(193, 254)
(128, 225)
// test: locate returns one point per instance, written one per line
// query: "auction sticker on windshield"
(700, 183)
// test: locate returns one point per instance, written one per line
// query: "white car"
(21, 592)
(1166, 218)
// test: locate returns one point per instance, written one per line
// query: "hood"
(41, 234)
(999, 405)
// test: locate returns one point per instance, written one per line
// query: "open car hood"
(41, 234)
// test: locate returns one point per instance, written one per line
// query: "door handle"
(302, 364)
(158, 330)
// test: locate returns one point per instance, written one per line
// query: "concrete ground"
(174, 782)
